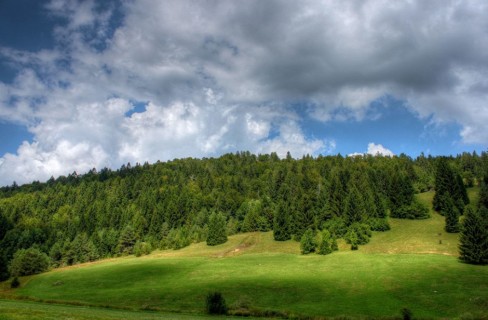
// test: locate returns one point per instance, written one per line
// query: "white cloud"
(374, 150)
(217, 77)
(378, 149)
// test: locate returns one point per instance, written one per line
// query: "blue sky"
(90, 84)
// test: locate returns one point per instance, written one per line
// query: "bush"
(406, 314)
(142, 248)
(215, 303)
(15, 283)
(28, 261)
(326, 243)
(379, 224)
(336, 226)
(415, 210)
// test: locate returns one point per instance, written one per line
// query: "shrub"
(215, 303)
(415, 210)
(379, 224)
(15, 283)
(142, 248)
(406, 314)
(28, 261)
(336, 226)
(326, 243)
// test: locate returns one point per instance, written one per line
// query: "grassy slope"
(253, 270)
(27, 310)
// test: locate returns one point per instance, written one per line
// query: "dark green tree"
(450, 211)
(281, 225)
(449, 182)
(216, 229)
(326, 243)
(473, 243)
(307, 242)
(215, 303)
(28, 261)
(127, 240)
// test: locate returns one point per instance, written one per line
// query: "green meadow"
(414, 266)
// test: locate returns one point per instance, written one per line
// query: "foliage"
(379, 224)
(336, 226)
(473, 243)
(414, 210)
(281, 225)
(448, 183)
(357, 234)
(327, 243)
(28, 261)
(127, 241)
(215, 303)
(216, 229)
(142, 248)
(82, 217)
(451, 213)
(307, 242)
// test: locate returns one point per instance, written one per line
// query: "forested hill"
(79, 218)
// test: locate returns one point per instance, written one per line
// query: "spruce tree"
(216, 229)
(307, 242)
(281, 225)
(483, 197)
(326, 244)
(451, 212)
(449, 182)
(473, 243)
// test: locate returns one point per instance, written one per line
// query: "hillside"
(404, 267)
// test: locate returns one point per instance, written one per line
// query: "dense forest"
(137, 208)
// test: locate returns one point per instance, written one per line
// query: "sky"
(93, 84)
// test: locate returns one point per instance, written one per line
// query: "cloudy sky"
(87, 84)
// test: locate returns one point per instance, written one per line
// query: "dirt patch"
(246, 243)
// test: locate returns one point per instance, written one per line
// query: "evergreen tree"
(473, 243)
(450, 211)
(483, 197)
(127, 240)
(326, 244)
(355, 207)
(307, 242)
(281, 225)
(449, 182)
(216, 229)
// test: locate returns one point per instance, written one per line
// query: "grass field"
(28, 310)
(414, 265)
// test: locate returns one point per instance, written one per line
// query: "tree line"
(135, 209)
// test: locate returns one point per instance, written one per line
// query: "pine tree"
(449, 182)
(307, 243)
(451, 212)
(473, 243)
(326, 244)
(216, 229)
(281, 225)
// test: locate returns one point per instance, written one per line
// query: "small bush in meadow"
(215, 303)
(15, 283)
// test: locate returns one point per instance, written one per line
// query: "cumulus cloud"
(374, 150)
(217, 76)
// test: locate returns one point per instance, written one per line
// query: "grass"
(28, 310)
(405, 267)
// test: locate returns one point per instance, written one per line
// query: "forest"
(138, 208)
